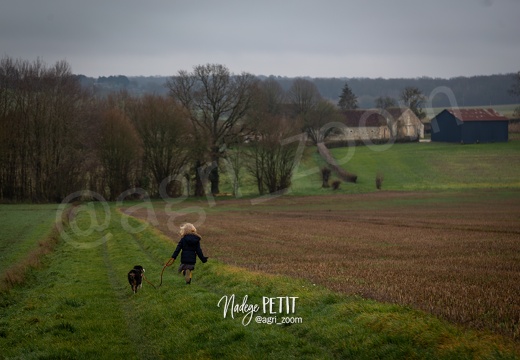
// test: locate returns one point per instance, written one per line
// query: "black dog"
(135, 278)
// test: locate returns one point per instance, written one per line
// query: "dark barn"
(469, 126)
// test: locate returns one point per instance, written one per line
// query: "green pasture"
(404, 167)
(416, 166)
(22, 227)
(79, 306)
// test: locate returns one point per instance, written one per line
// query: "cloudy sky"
(317, 38)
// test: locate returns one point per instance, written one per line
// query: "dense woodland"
(58, 138)
(61, 133)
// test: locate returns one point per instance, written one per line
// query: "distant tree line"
(515, 92)
(482, 90)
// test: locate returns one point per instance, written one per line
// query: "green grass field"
(417, 166)
(405, 167)
(23, 227)
(77, 303)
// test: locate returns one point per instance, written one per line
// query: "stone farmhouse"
(376, 125)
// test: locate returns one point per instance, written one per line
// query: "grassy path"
(80, 306)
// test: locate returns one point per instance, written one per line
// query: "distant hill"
(481, 90)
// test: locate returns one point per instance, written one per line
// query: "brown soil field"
(455, 256)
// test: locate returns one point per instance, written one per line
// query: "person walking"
(190, 247)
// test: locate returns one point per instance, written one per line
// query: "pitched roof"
(396, 113)
(372, 117)
(477, 115)
(363, 118)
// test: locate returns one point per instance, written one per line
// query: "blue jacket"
(190, 246)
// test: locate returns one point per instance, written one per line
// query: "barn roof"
(373, 117)
(363, 118)
(396, 113)
(477, 115)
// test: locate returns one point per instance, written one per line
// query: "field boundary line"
(15, 274)
(141, 344)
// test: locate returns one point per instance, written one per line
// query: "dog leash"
(169, 263)
(144, 277)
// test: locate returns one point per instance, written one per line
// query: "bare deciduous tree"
(218, 103)
(413, 98)
(118, 149)
(515, 91)
(316, 120)
(304, 95)
(271, 160)
(273, 95)
(385, 102)
(40, 120)
(311, 110)
(163, 129)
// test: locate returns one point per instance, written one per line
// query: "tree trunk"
(214, 175)
(325, 174)
(214, 178)
(199, 185)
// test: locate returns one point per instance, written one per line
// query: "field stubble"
(456, 258)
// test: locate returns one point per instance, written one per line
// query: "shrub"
(325, 175)
(342, 173)
(379, 181)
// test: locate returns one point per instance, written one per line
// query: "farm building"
(469, 126)
(376, 125)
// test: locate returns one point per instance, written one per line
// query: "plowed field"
(454, 255)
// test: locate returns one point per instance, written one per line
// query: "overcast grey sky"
(317, 38)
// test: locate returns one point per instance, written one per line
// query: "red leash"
(169, 263)
(149, 282)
